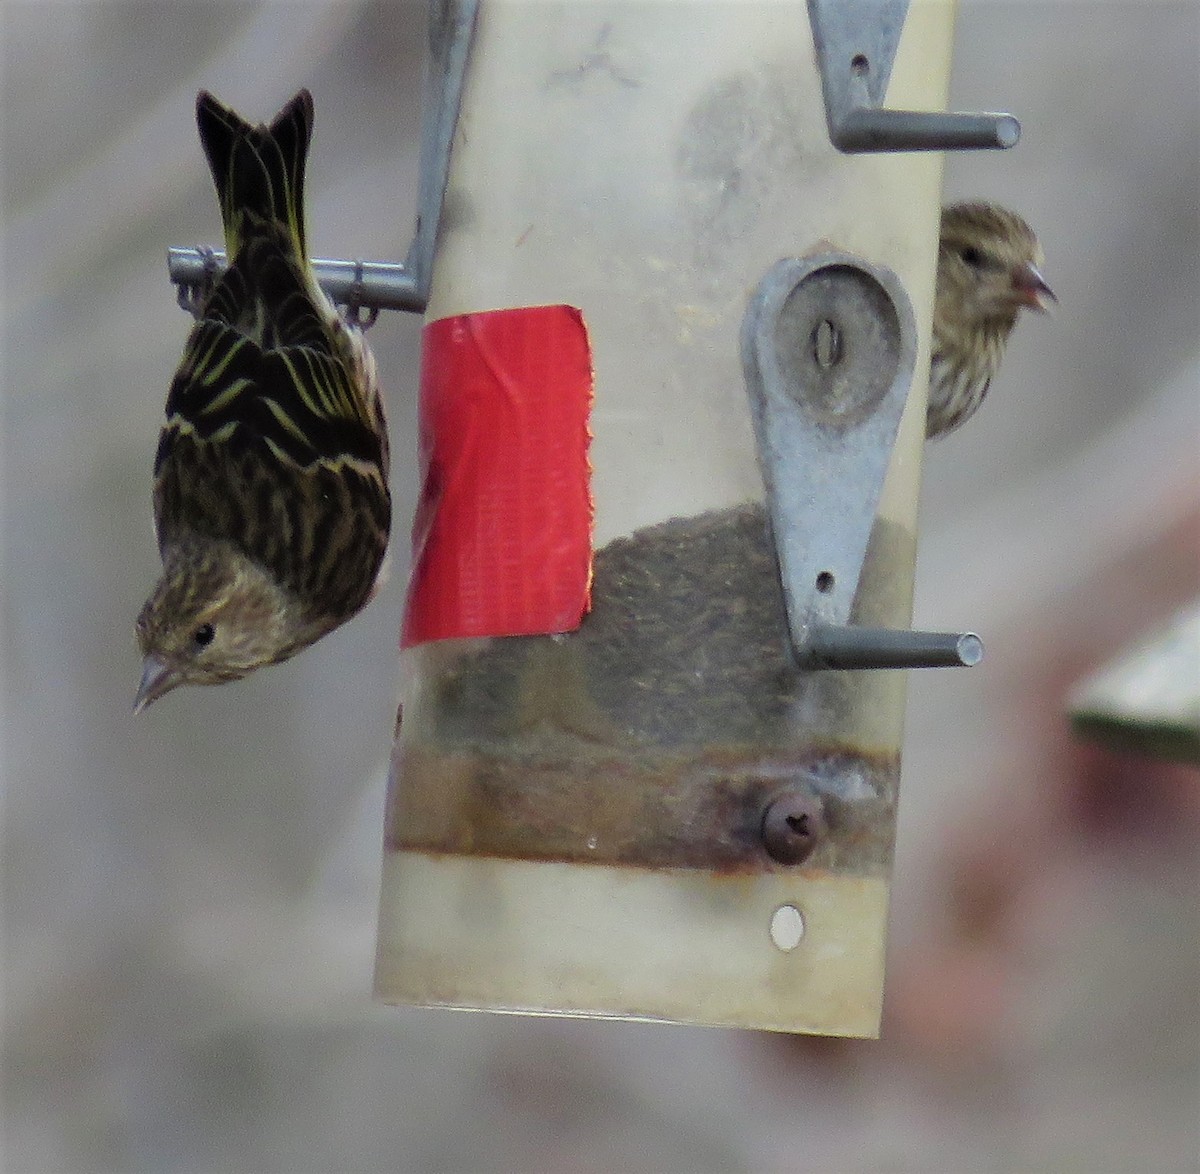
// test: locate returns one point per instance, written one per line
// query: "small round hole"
(787, 927)
(859, 64)
(825, 582)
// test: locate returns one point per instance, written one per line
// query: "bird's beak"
(158, 678)
(1031, 289)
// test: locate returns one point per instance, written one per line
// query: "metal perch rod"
(376, 285)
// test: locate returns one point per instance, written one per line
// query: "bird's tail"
(258, 170)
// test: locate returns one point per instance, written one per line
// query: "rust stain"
(698, 811)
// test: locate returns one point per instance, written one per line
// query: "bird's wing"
(302, 401)
(297, 405)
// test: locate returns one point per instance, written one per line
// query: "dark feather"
(258, 170)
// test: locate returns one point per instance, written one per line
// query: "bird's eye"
(203, 635)
(973, 257)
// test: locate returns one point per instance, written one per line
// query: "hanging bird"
(271, 501)
(989, 269)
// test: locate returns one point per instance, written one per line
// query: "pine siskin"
(989, 268)
(271, 502)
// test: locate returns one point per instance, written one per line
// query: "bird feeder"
(672, 421)
(672, 415)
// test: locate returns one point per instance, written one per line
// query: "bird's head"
(989, 267)
(214, 616)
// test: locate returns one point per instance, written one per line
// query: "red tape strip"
(502, 538)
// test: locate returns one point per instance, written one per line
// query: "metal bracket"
(829, 344)
(366, 287)
(856, 44)
(356, 285)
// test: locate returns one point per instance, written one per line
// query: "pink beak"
(157, 678)
(1031, 288)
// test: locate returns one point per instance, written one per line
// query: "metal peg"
(828, 350)
(372, 285)
(831, 647)
(856, 44)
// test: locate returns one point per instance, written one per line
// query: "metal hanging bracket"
(361, 287)
(829, 345)
(364, 288)
(856, 43)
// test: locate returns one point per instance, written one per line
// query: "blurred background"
(189, 898)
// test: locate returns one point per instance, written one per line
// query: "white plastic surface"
(648, 162)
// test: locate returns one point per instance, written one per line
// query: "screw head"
(793, 823)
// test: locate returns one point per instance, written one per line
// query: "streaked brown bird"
(989, 269)
(271, 501)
